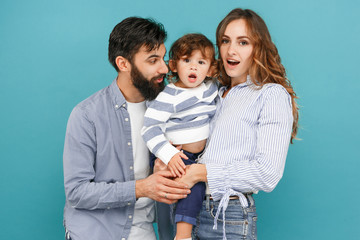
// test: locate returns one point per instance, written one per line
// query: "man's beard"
(149, 89)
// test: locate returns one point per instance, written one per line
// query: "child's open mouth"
(192, 77)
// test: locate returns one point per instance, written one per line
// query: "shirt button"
(108, 207)
(126, 119)
(124, 105)
(116, 106)
(129, 203)
(131, 167)
(130, 216)
(129, 143)
(123, 239)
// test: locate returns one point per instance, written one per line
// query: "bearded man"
(108, 187)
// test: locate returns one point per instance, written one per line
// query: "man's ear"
(123, 64)
(172, 65)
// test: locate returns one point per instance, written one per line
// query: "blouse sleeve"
(265, 170)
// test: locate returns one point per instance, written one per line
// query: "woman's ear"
(172, 65)
(123, 64)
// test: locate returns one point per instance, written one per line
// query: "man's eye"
(153, 61)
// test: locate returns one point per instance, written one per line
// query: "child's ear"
(122, 64)
(213, 70)
(172, 65)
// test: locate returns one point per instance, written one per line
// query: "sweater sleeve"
(153, 131)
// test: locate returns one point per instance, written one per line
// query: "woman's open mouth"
(232, 62)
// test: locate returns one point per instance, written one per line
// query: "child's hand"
(176, 164)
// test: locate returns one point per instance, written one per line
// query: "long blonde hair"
(266, 67)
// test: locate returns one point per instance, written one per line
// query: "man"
(106, 169)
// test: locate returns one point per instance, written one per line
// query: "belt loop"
(251, 200)
(207, 202)
(67, 235)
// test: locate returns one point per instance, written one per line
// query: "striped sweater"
(179, 115)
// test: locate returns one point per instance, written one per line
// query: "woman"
(256, 119)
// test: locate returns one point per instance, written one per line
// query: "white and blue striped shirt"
(179, 115)
(249, 139)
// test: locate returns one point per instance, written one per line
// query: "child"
(180, 115)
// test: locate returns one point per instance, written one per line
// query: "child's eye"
(201, 62)
(186, 60)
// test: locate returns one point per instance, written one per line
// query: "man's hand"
(160, 188)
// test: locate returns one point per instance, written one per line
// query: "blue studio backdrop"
(53, 54)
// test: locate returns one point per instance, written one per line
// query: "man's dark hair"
(131, 34)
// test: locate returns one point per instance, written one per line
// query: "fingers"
(181, 163)
(169, 198)
(172, 172)
(179, 147)
(176, 171)
(182, 155)
(180, 167)
(165, 200)
(166, 182)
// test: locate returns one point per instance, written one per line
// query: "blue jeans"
(240, 223)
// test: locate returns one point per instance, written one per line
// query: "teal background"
(53, 54)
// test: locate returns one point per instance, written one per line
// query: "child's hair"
(186, 45)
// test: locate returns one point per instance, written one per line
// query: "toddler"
(180, 115)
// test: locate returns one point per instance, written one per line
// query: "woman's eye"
(224, 41)
(243, 43)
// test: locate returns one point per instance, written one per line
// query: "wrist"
(139, 188)
(201, 173)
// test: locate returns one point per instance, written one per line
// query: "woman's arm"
(265, 169)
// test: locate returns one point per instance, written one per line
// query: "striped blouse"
(249, 139)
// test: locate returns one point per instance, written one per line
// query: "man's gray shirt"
(98, 168)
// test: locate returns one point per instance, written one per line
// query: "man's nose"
(163, 68)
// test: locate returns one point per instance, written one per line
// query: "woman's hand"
(194, 173)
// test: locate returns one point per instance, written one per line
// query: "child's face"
(192, 70)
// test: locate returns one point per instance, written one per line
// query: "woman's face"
(236, 51)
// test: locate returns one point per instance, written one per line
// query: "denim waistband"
(234, 200)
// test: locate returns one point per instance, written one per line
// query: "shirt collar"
(248, 82)
(117, 97)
